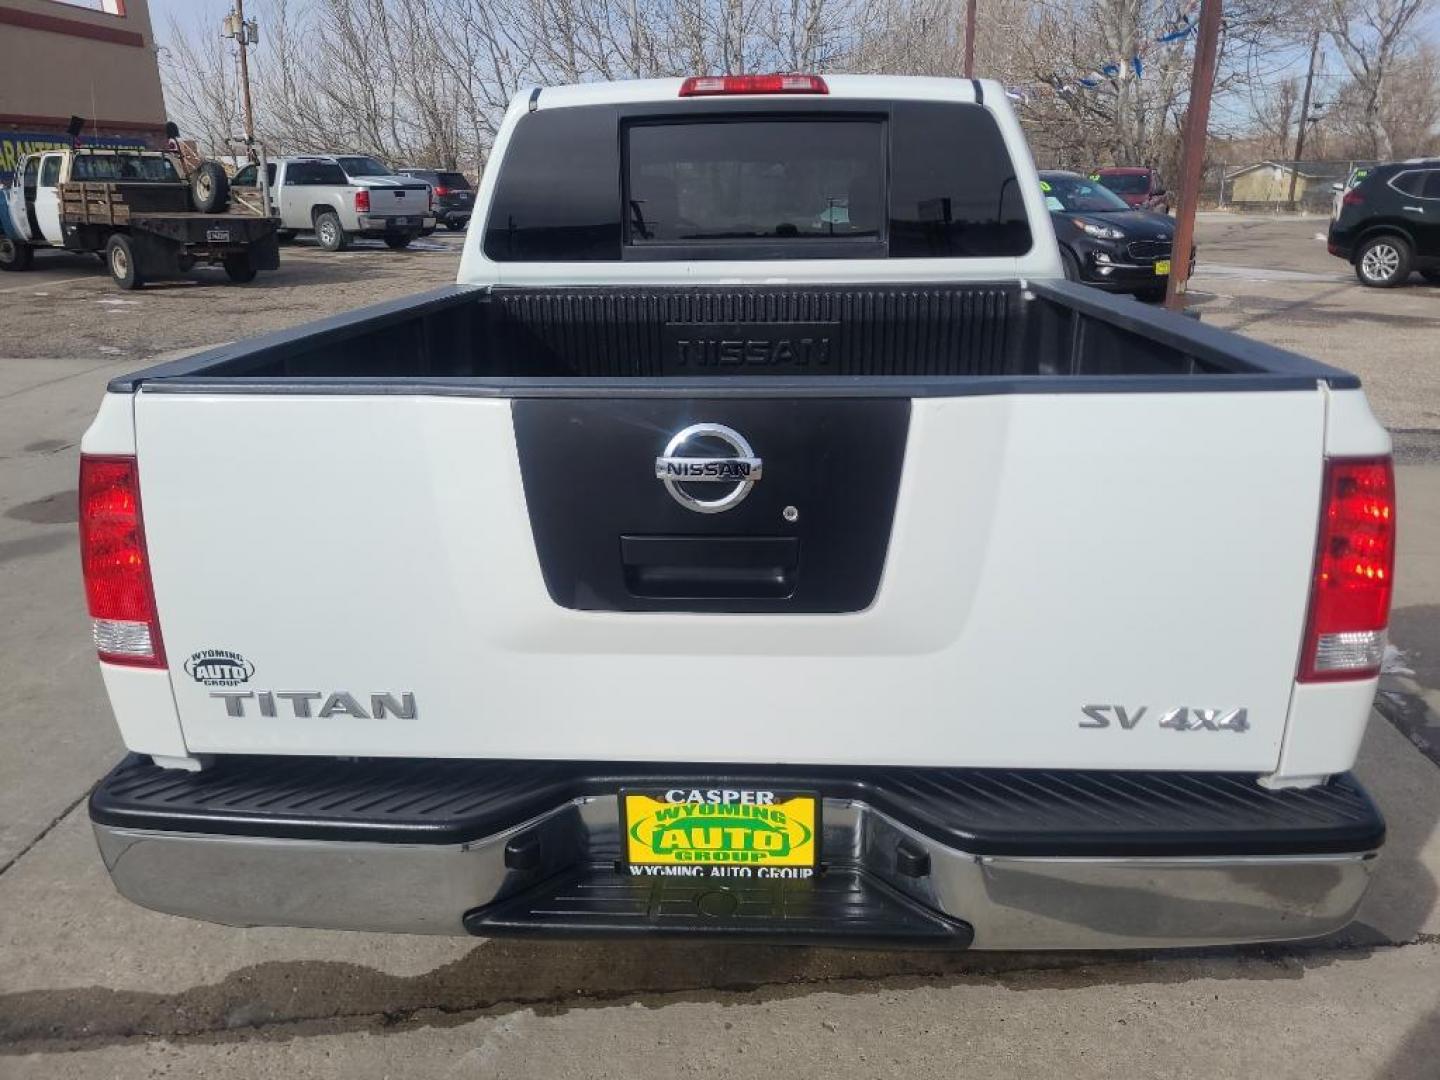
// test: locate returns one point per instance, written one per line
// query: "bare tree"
(1409, 111)
(200, 88)
(1276, 114)
(426, 81)
(1370, 36)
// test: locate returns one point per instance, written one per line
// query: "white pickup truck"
(762, 541)
(317, 194)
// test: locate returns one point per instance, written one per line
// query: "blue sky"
(188, 10)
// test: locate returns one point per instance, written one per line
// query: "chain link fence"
(1265, 186)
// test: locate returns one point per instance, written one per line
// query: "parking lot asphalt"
(91, 986)
(1271, 278)
(68, 306)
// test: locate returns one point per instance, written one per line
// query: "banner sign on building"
(16, 144)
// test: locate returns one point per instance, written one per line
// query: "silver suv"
(314, 194)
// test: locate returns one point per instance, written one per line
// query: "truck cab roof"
(866, 87)
(871, 142)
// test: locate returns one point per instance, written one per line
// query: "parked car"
(314, 194)
(761, 540)
(1141, 188)
(134, 209)
(454, 198)
(362, 168)
(1103, 242)
(1389, 223)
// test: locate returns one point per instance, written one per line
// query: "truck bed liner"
(981, 811)
(851, 340)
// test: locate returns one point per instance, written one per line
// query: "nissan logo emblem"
(688, 460)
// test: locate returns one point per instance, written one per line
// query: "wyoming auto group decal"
(721, 833)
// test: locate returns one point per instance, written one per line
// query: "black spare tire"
(210, 188)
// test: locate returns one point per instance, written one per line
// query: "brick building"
(90, 58)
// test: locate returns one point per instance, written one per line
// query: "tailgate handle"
(703, 567)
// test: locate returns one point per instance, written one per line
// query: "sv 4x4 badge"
(1180, 718)
(759, 834)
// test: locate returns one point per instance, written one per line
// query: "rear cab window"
(317, 173)
(795, 179)
(123, 167)
(842, 179)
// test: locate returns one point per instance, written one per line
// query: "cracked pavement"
(91, 986)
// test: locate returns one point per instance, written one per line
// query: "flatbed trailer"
(144, 227)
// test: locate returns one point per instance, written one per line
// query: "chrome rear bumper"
(1008, 902)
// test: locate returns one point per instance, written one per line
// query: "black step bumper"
(1006, 859)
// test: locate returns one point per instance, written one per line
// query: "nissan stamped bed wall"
(759, 541)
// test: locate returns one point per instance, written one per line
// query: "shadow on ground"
(1402, 699)
(1418, 1056)
(293, 999)
(1243, 313)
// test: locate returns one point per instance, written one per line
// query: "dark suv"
(1389, 224)
(1105, 243)
(454, 197)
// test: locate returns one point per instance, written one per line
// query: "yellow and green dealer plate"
(734, 833)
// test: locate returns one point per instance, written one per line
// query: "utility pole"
(245, 35)
(1192, 159)
(969, 39)
(1304, 119)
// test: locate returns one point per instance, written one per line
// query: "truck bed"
(969, 474)
(904, 340)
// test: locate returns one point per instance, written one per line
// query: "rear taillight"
(442, 191)
(362, 201)
(1354, 572)
(1353, 198)
(115, 564)
(715, 85)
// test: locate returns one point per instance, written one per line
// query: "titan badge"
(678, 466)
(401, 706)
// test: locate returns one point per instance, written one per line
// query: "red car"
(1141, 188)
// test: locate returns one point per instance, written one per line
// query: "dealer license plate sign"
(1162, 268)
(720, 832)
